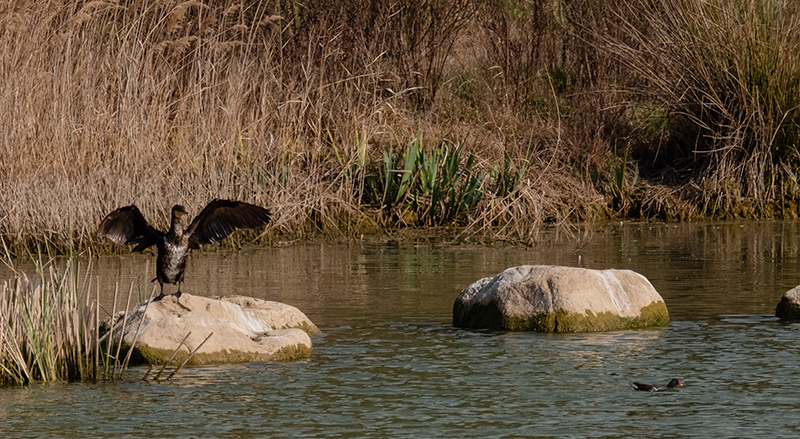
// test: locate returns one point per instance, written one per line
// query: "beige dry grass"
(292, 106)
(727, 76)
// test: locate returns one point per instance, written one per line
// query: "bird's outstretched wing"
(127, 225)
(220, 218)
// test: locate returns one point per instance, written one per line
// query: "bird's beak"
(680, 383)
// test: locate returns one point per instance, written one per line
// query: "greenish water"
(388, 363)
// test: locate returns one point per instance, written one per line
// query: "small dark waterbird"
(218, 219)
(651, 388)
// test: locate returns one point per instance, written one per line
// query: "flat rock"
(560, 299)
(789, 306)
(243, 329)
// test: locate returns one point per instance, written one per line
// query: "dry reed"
(293, 106)
(723, 78)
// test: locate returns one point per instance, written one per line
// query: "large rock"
(244, 329)
(789, 306)
(560, 299)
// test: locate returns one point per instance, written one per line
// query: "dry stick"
(149, 369)
(189, 357)
(136, 336)
(175, 352)
(87, 281)
(122, 331)
(97, 334)
(85, 325)
(110, 332)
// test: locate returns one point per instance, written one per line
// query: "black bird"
(218, 219)
(650, 388)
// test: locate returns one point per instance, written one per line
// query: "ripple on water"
(388, 363)
(426, 379)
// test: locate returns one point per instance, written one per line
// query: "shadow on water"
(389, 364)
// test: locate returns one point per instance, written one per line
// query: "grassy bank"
(495, 117)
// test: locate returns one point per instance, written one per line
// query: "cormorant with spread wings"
(218, 219)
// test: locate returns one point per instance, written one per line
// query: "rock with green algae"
(560, 299)
(789, 306)
(244, 329)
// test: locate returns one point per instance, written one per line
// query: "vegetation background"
(493, 118)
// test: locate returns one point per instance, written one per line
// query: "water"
(389, 364)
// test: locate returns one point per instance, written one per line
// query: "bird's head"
(178, 211)
(178, 218)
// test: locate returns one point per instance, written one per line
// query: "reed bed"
(541, 113)
(723, 79)
(50, 329)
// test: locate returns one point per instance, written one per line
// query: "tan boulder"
(243, 329)
(560, 299)
(789, 306)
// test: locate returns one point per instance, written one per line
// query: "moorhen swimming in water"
(650, 388)
(219, 219)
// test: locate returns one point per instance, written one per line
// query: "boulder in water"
(243, 329)
(789, 306)
(560, 299)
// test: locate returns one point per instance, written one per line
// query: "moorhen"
(650, 388)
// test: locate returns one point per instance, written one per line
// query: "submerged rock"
(789, 306)
(560, 299)
(244, 329)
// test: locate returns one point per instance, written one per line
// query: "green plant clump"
(428, 188)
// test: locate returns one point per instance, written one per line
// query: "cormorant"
(218, 219)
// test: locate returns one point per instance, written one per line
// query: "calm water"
(388, 363)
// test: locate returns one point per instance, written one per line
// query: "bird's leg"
(178, 298)
(160, 296)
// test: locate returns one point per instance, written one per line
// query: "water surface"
(388, 363)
